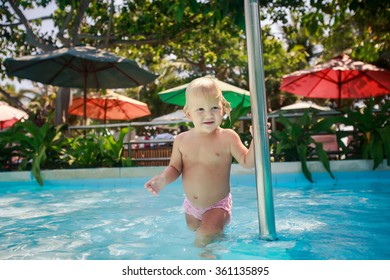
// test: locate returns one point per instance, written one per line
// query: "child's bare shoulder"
(229, 132)
(182, 136)
(230, 135)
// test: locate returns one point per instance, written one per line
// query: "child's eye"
(199, 109)
(216, 108)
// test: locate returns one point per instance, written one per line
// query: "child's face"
(205, 112)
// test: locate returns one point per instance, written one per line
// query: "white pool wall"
(279, 170)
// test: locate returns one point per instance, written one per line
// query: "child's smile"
(206, 113)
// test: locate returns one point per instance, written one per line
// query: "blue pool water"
(119, 219)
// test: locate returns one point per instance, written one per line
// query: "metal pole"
(259, 121)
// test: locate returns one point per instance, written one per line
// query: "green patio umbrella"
(79, 67)
(233, 94)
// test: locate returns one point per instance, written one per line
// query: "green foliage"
(371, 133)
(235, 114)
(294, 141)
(113, 149)
(83, 152)
(34, 146)
(361, 26)
(26, 146)
(208, 37)
(97, 149)
(278, 62)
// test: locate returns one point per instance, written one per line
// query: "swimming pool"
(116, 218)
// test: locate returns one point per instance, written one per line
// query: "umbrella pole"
(85, 76)
(339, 88)
(105, 111)
(259, 122)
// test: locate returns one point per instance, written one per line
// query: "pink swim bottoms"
(225, 204)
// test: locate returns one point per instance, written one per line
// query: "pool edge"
(281, 171)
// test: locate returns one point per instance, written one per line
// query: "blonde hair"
(206, 86)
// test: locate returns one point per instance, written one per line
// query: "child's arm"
(245, 157)
(158, 182)
(170, 174)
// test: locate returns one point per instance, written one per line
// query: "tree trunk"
(62, 105)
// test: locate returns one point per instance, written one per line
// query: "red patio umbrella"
(10, 115)
(111, 106)
(339, 78)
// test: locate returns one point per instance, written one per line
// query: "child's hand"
(251, 130)
(268, 128)
(155, 184)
